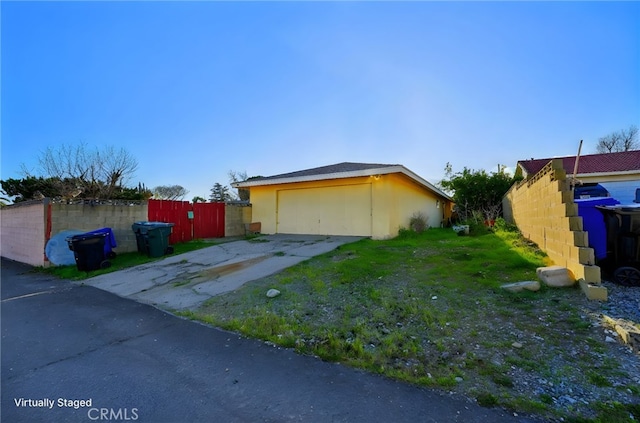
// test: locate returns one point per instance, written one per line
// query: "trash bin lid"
(144, 227)
(87, 235)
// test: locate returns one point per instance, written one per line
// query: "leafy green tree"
(198, 199)
(476, 192)
(30, 188)
(141, 192)
(4, 198)
(220, 193)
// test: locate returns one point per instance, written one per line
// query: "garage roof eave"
(341, 175)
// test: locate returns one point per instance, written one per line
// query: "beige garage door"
(337, 210)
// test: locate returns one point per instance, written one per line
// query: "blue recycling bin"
(594, 223)
(109, 241)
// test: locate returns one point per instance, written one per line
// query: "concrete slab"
(235, 280)
(187, 280)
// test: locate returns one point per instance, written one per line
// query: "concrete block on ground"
(555, 276)
(521, 286)
(589, 273)
(593, 291)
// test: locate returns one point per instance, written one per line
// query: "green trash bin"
(140, 229)
(152, 238)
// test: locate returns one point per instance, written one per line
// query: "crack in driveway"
(185, 281)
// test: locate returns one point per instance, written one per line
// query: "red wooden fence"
(208, 220)
(191, 221)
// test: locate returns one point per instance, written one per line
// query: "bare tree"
(116, 168)
(90, 171)
(243, 193)
(623, 140)
(170, 192)
(630, 139)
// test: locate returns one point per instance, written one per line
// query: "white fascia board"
(600, 174)
(340, 175)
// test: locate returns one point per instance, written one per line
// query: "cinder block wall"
(87, 217)
(543, 209)
(22, 232)
(235, 218)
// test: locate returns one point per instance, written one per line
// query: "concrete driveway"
(185, 281)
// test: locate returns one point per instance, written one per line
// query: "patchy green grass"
(122, 261)
(428, 309)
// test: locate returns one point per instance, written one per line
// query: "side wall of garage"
(405, 198)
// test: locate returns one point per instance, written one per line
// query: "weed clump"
(418, 222)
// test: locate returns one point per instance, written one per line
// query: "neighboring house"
(619, 172)
(363, 199)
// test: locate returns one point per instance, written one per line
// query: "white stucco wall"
(623, 191)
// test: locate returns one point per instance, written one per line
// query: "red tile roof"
(593, 163)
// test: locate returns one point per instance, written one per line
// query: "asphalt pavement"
(74, 353)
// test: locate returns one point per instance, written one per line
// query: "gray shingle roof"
(337, 171)
(325, 170)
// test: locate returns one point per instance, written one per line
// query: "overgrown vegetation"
(427, 308)
(476, 193)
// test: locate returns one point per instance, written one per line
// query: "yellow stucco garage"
(363, 199)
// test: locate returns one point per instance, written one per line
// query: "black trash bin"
(109, 241)
(152, 238)
(89, 251)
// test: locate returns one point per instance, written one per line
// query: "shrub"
(418, 222)
(503, 225)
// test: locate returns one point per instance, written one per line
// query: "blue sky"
(195, 89)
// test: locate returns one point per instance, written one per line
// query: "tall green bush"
(476, 192)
